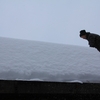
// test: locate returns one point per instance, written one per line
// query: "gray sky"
(57, 21)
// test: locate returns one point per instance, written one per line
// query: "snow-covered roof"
(34, 60)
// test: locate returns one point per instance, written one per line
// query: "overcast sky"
(57, 21)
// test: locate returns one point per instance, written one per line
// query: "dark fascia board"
(44, 87)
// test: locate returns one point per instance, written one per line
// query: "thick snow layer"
(34, 60)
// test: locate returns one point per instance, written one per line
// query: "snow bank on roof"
(30, 60)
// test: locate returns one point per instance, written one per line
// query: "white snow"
(34, 60)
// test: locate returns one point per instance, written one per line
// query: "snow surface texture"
(41, 61)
